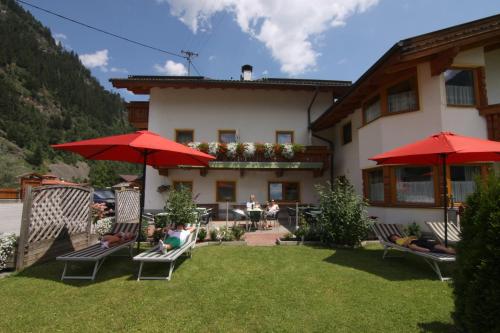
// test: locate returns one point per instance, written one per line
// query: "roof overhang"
(142, 85)
(438, 47)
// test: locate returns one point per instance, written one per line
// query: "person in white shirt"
(176, 238)
(252, 203)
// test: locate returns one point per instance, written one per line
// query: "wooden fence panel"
(127, 204)
(56, 219)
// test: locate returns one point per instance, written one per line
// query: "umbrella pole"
(445, 203)
(143, 191)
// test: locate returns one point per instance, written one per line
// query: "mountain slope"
(47, 96)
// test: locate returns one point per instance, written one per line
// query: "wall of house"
(253, 182)
(255, 114)
(392, 131)
(492, 71)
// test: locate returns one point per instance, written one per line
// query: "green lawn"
(236, 289)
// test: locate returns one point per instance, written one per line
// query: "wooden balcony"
(492, 115)
(138, 114)
(313, 158)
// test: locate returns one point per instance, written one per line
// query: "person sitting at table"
(271, 210)
(252, 203)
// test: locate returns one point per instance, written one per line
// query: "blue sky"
(323, 39)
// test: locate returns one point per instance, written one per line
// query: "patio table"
(255, 216)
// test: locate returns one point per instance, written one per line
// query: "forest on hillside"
(47, 96)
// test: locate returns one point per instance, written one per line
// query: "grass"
(236, 289)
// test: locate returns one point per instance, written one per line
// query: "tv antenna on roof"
(189, 55)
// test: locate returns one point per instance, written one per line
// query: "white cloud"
(97, 59)
(59, 38)
(342, 61)
(171, 68)
(211, 58)
(118, 70)
(265, 72)
(290, 29)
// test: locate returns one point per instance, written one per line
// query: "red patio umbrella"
(443, 148)
(143, 147)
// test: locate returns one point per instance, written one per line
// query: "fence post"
(23, 232)
(91, 218)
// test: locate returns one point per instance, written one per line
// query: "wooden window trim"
(477, 87)
(225, 131)
(177, 130)
(382, 93)
(285, 132)
(342, 133)
(217, 199)
(177, 182)
(284, 183)
(366, 184)
(390, 194)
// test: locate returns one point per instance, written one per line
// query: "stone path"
(258, 237)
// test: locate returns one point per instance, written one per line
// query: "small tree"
(180, 206)
(476, 279)
(343, 219)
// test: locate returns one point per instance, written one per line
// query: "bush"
(238, 232)
(225, 234)
(161, 220)
(476, 279)
(180, 206)
(343, 219)
(307, 230)
(202, 234)
(103, 226)
(214, 234)
(413, 230)
(7, 247)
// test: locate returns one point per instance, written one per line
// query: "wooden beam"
(492, 47)
(443, 60)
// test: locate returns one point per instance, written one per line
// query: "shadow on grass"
(401, 267)
(437, 327)
(116, 266)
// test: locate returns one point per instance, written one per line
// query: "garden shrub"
(103, 226)
(225, 234)
(7, 248)
(413, 230)
(202, 234)
(214, 234)
(477, 276)
(180, 206)
(161, 220)
(238, 232)
(343, 219)
(307, 230)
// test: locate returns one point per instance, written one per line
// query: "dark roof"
(485, 31)
(141, 84)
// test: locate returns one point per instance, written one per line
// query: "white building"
(448, 80)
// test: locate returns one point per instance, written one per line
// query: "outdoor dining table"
(255, 215)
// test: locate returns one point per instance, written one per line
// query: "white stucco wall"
(255, 114)
(492, 71)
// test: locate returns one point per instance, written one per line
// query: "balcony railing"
(315, 158)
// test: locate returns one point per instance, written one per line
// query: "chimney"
(246, 73)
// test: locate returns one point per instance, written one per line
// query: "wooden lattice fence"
(56, 219)
(127, 205)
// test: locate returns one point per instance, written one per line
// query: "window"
(346, 133)
(227, 136)
(372, 109)
(414, 185)
(283, 137)
(184, 136)
(183, 184)
(376, 185)
(462, 181)
(402, 96)
(284, 191)
(459, 86)
(226, 191)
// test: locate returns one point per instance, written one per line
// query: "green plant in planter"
(343, 219)
(238, 232)
(413, 230)
(297, 148)
(202, 234)
(161, 220)
(181, 207)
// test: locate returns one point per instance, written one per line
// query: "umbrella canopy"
(134, 147)
(457, 148)
(443, 148)
(143, 147)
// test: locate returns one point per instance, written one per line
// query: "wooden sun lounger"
(384, 230)
(95, 253)
(155, 255)
(437, 229)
